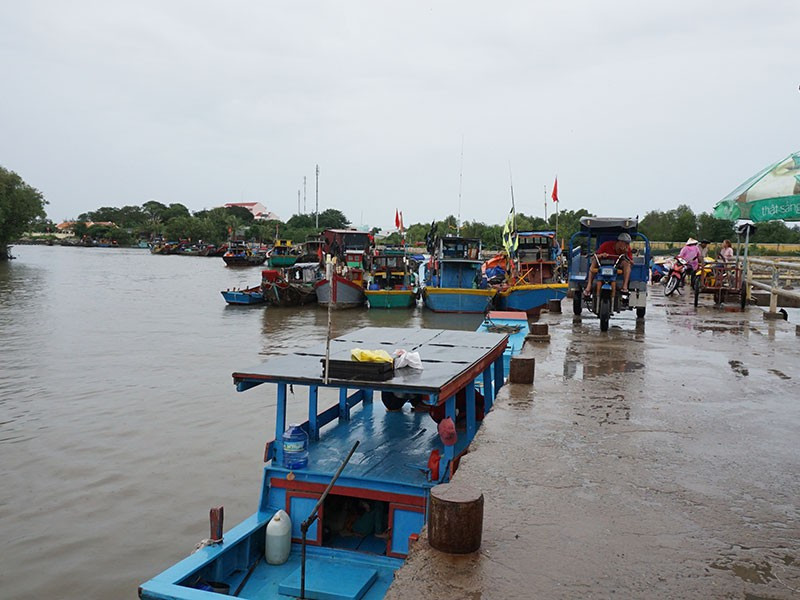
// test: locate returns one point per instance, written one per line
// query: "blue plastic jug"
(295, 448)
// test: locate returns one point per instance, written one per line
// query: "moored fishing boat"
(350, 524)
(454, 280)
(391, 284)
(282, 254)
(349, 252)
(533, 278)
(248, 296)
(292, 286)
(513, 323)
(240, 254)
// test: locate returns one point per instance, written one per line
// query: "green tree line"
(22, 209)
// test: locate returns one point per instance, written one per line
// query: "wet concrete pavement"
(657, 460)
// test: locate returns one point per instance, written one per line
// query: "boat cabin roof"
(450, 359)
(608, 223)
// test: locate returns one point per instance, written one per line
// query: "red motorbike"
(676, 276)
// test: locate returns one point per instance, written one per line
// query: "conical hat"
(691, 241)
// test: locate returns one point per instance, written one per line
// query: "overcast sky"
(634, 105)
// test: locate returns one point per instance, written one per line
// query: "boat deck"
(394, 447)
(324, 568)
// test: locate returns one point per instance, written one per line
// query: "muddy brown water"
(119, 422)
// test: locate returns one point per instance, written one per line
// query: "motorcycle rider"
(612, 249)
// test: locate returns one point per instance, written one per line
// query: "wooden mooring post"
(455, 525)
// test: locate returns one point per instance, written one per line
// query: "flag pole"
(545, 203)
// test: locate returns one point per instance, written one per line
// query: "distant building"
(69, 226)
(258, 210)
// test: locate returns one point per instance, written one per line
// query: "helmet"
(624, 237)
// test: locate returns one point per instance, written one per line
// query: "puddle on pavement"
(606, 410)
(751, 573)
(580, 369)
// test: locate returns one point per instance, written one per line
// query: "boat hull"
(390, 298)
(530, 297)
(243, 297)
(289, 294)
(281, 261)
(457, 300)
(241, 260)
(339, 293)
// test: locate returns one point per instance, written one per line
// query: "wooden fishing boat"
(249, 296)
(533, 278)
(292, 286)
(240, 254)
(282, 254)
(454, 280)
(400, 458)
(391, 284)
(349, 251)
(513, 323)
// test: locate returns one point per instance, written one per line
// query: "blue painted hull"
(455, 300)
(243, 297)
(507, 321)
(530, 297)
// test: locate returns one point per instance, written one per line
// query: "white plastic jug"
(279, 538)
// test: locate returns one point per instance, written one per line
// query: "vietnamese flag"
(554, 195)
(396, 219)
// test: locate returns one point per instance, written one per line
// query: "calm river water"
(119, 423)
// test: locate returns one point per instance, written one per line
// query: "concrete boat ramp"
(658, 460)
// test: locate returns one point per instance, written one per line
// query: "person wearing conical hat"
(692, 254)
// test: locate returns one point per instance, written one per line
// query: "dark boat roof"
(450, 360)
(609, 223)
(532, 233)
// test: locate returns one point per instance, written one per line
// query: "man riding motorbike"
(612, 249)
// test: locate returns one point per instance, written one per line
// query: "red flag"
(554, 195)
(396, 219)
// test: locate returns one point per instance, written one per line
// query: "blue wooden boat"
(251, 295)
(454, 281)
(511, 323)
(392, 472)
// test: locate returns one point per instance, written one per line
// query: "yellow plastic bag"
(375, 356)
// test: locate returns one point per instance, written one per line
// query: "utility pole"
(316, 211)
(304, 194)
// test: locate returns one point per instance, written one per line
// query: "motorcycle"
(676, 276)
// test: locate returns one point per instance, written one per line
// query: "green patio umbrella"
(770, 195)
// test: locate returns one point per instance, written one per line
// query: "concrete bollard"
(539, 333)
(554, 306)
(521, 369)
(456, 518)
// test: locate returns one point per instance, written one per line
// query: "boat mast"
(316, 210)
(460, 175)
